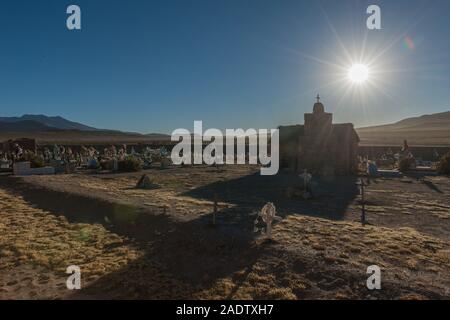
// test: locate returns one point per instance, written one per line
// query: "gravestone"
(145, 183)
(268, 215)
(5, 163)
(307, 185)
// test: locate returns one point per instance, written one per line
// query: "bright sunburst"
(358, 73)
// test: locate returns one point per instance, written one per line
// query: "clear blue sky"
(154, 66)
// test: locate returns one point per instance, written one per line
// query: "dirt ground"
(161, 244)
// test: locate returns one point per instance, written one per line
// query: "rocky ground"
(160, 243)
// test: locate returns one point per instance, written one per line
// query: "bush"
(130, 164)
(35, 160)
(443, 166)
(406, 164)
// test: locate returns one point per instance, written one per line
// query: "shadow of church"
(331, 196)
(181, 258)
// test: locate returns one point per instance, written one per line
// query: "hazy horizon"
(168, 133)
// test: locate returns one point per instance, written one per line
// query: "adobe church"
(319, 146)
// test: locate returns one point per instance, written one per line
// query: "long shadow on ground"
(332, 196)
(181, 258)
(192, 254)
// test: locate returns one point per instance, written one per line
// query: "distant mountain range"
(433, 129)
(25, 126)
(426, 130)
(59, 130)
(47, 123)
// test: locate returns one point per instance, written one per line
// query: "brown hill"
(427, 130)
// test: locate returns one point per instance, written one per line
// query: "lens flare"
(409, 43)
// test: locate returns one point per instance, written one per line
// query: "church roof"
(340, 131)
(318, 108)
(344, 130)
(291, 132)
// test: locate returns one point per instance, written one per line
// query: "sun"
(358, 73)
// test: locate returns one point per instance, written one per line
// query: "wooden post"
(215, 209)
(363, 213)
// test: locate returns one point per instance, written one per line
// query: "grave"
(268, 215)
(24, 169)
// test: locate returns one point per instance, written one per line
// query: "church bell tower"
(318, 124)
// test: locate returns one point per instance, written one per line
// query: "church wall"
(319, 146)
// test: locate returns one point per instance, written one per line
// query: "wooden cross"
(363, 212)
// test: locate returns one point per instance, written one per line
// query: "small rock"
(145, 183)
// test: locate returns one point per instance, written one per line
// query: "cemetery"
(140, 226)
(27, 158)
(144, 227)
(216, 232)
